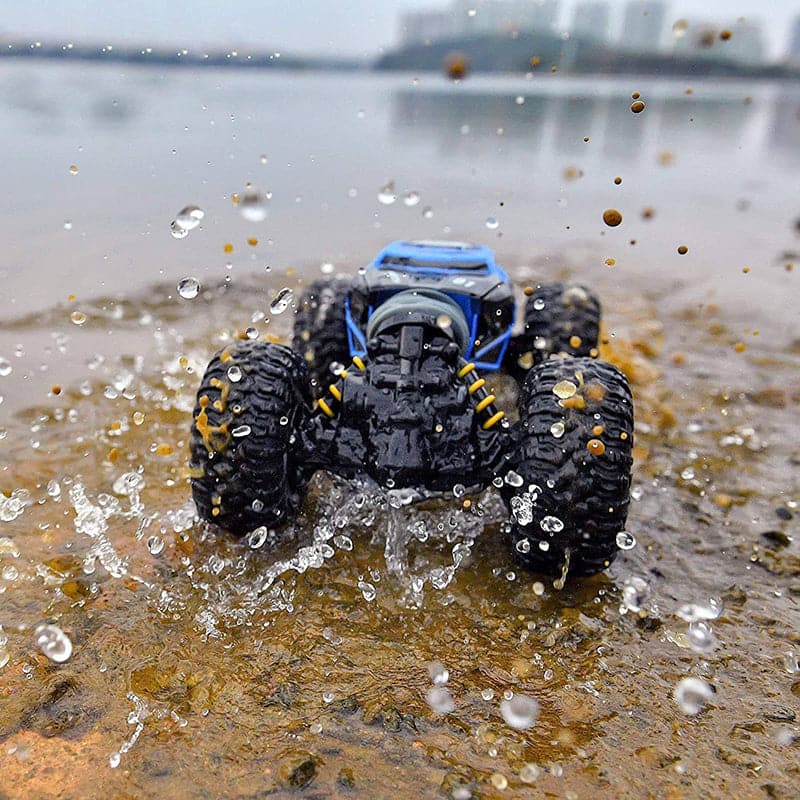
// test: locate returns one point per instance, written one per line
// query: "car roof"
(438, 251)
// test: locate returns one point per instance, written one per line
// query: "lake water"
(202, 667)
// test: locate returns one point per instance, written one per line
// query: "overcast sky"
(347, 27)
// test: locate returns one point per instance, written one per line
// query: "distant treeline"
(527, 52)
(490, 53)
(171, 57)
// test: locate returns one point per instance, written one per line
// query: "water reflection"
(722, 122)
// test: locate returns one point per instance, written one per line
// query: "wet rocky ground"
(204, 667)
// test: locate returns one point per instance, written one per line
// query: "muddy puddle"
(374, 650)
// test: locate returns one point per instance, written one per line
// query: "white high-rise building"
(793, 53)
(476, 17)
(643, 25)
(417, 27)
(591, 21)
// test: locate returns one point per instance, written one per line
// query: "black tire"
(581, 484)
(555, 314)
(320, 330)
(240, 482)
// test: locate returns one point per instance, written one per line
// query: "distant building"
(480, 17)
(742, 41)
(643, 25)
(591, 21)
(418, 27)
(793, 54)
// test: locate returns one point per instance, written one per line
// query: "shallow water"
(202, 667)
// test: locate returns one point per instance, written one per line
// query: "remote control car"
(386, 380)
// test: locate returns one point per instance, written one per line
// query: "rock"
(297, 768)
(345, 778)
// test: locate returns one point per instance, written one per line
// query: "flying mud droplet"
(253, 206)
(189, 288)
(456, 66)
(692, 695)
(53, 642)
(683, 250)
(444, 322)
(679, 28)
(637, 106)
(520, 712)
(282, 300)
(73, 169)
(612, 217)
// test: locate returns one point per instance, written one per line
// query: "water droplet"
(520, 712)
(519, 100)
(256, 538)
(514, 479)
(368, 591)
(5, 368)
(701, 637)
(694, 612)
(564, 389)
(177, 231)
(492, 224)
(427, 212)
(67, 225)
(257, 506)
(282, 300)
(791, 662)
(499, 781)
(459, 490)
(625, 540)
(188, 218)
(557, 429)
(440, 699)
(189, 288)
(550, 524)
(327, 268)
(251, 333)
(387, 195)
(241, 430)
(635, 594)
(73, 169)
(487, 694)
(523, 546)
(544, 545)
(253, 206)
(328, 697)
(78, 317)
(529, 773)
(53, 642)
(343, 542)
(692, 695)
(411, 199)
(439, 674)
(155, 544)
(234, 374)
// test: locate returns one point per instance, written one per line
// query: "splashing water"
(53, 642)
(692, 695)
(520, 711)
